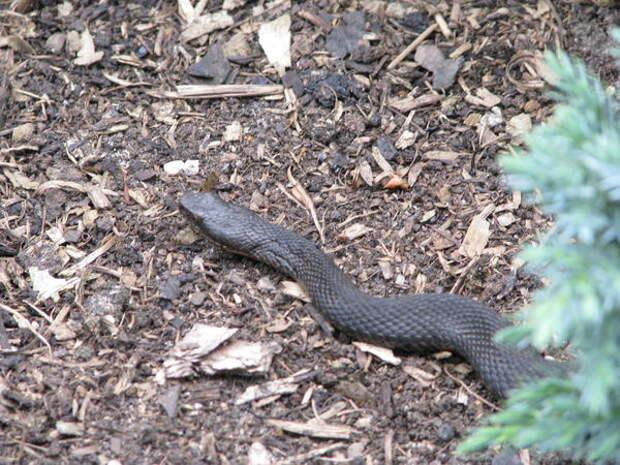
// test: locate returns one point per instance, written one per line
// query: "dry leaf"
(46, 286)
(302, 196)
(241, 356)
(198, 342)
(86, 55)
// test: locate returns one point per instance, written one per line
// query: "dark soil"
(82, 150)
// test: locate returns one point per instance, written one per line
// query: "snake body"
(418, 323)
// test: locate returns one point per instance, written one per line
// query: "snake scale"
(416, 323)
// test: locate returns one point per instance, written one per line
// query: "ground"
(85, 197)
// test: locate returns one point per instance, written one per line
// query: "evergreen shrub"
(572, 170)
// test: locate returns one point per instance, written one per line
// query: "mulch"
(379, 147)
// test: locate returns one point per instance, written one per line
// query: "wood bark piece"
(314, 429)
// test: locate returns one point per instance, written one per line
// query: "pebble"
(55, 42)
(445, 432)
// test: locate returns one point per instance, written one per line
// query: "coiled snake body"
(427, 322)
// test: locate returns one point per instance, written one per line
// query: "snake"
(422, 323)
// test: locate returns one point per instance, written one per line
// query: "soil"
(85, 197)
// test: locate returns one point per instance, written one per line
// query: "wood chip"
(314, 429)
(476, 237)
(245, 357)
(380, 160)
(407, 104)
(294, 290)
(87, 55)
(518, 126)
(106, 244)
(286, 385)
(275, 39)
(258, 454)
(405, 140)
(353, 232)
(506, 219)
(385, 354)
(443, 155)
(365, 172)
(423, 377)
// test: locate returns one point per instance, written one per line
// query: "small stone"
(338, 162)
(264, 284)
(354, 390)
(62, 332)
(446, 432)
(72, 236)
(108, 301)
(198, 298)
(170, 289)
(55, 42)
(141, 51)
(145, 174)
(213, 66)
(169, 400)
(386, 148)
(508, 456)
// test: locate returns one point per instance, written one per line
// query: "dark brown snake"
(420, 323)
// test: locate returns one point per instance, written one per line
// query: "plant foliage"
(572, 166)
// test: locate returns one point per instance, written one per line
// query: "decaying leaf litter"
(372, 130)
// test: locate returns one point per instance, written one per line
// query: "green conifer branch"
(572, 167)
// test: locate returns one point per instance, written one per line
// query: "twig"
(23, 321)
(412, 46)
(470, 391)
(459, 282)
(219, 91)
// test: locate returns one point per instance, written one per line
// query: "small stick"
(412, 46)
(467, 388)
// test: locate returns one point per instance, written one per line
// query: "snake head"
(220, 221)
